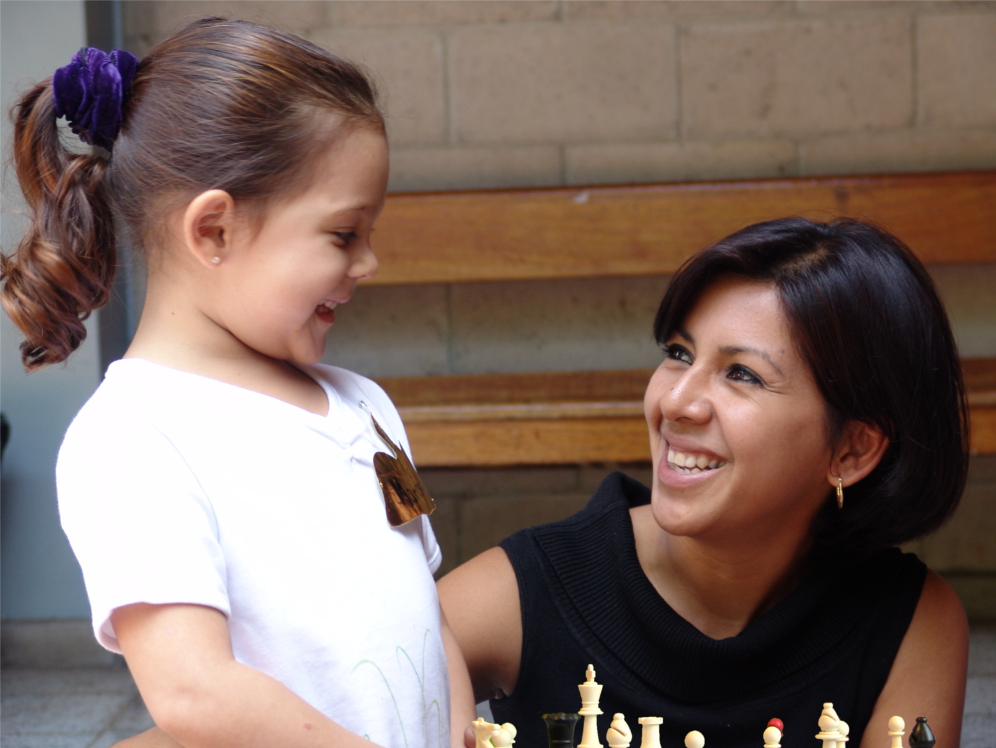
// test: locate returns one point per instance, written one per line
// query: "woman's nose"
(686, 397)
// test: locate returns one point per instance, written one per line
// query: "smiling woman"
(794, 443)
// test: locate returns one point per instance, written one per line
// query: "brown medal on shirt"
(405, 495)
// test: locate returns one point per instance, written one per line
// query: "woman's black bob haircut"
(867, 319)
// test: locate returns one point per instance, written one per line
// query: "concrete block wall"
(491, 94)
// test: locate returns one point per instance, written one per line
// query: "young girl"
(219, 488)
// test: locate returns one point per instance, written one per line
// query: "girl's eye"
(677, 353)
(346, 237)
(743, 374)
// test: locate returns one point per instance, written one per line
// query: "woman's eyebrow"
(732, 350)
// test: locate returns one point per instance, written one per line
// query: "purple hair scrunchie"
(89, 93)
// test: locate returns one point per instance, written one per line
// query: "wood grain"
(572, 417)
(651, 229)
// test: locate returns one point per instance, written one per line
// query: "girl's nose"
(364, 264)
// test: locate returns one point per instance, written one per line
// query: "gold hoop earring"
(840, 493)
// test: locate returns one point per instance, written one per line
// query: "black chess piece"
(560, 728)
(922, 736)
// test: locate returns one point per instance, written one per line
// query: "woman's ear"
(208, 224)
(858, 453)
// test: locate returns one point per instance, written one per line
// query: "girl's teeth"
(701, 462)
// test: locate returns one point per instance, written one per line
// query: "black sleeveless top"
(585, 599)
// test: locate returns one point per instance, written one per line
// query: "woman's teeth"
(689, 463)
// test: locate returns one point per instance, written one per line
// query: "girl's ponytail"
(64, 266)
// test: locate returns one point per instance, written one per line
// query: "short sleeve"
(137, 519)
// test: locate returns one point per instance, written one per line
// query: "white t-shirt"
(176, 488)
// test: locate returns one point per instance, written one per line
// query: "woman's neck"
(717, 586)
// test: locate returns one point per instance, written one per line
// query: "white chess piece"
(829, 727)
(503, 736)
(772, 737)
(651, 732)
(483, 730)
(619, 735)
(590, 692)
(695, 739)
(897, 727)
(844, 729)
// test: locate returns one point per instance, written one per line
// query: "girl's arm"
(199, 695)
(462, 711)
(481, 602)
(929, 673)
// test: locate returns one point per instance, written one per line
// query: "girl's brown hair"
(222, 104)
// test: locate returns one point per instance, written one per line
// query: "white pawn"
(651, 732)
(618, 735)
(897, 727)
(503, 736)
(695, 739)
(772, 737)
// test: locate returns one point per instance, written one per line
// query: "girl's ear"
(208, 224)
(857, 454)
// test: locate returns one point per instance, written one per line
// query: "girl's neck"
(177, 336)
(718, 587)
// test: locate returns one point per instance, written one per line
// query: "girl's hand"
(200, 696)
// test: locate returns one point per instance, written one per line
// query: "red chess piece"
(775, 722)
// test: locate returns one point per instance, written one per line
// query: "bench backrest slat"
(457, 237)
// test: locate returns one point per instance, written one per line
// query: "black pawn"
(922, 737)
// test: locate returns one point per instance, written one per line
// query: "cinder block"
(407, 66)
(679, 161)
(965, 544)
(982, 653)
(485, 522)
(956, 70)
(390, 331)
(52, 644)
(936, 149)
(563, 82)
(506, 482)
(439, 12)
(796, 77)
(982, 469)
(474, 167)
(969, 294)
(563, 325)
(296, 16)
(669, 9)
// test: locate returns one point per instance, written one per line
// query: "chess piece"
(897, 727)
(590, 692)
(775, 722)
(483, 730)
(921, 736)
(772, 737)
(560, 729)
(503, 736)
(695, 739)
(829, 727)
(651, 732)
(844, 729)
(618, 735)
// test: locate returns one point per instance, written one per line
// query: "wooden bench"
(597, 416)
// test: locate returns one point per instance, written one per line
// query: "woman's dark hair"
(867, 319)
(221, 104)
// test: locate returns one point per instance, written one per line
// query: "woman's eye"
(743, 374)
(677, 353)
